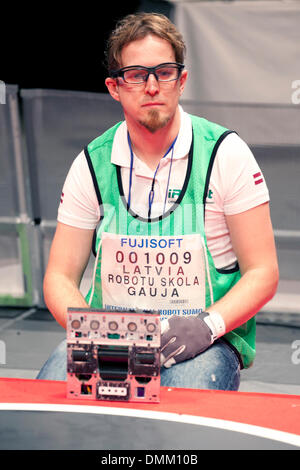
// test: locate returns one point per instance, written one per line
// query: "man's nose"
(151, 85)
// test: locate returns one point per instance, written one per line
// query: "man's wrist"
(216, 324)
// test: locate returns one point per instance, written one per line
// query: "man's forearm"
(60, 293)
(184, 338)
(255, 288)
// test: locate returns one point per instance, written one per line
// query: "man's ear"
(182, 81)
(113, 88)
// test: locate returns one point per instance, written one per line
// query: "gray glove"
(185, 337)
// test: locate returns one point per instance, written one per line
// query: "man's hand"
(185, 337)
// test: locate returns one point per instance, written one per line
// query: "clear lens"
(135, 76)
(166, 74)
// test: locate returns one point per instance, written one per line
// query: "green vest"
(117, 218)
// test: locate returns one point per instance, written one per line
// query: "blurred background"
(243, 62)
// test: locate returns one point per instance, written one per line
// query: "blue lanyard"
(151, 193)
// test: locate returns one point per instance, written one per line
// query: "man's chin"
(154, 121)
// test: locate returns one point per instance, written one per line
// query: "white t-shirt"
(236, 185)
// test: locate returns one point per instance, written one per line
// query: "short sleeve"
(238, 180)
(78, 204)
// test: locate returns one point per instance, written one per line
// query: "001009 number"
(160, 258)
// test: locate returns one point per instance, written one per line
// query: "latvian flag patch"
(257, 177)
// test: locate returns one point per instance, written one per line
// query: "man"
(184, 219)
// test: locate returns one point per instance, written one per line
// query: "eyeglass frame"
(151, 70)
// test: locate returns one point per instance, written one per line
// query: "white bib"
(166, 274)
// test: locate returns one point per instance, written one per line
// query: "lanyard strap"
(151, 193)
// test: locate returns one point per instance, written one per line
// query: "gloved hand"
(183, 338)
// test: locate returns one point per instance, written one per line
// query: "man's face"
(153, 104)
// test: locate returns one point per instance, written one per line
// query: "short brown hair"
(137, 26)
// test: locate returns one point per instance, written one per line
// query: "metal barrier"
(58, 124)
(17, 287)
(272, 133)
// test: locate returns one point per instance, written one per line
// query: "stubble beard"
(154, 121)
